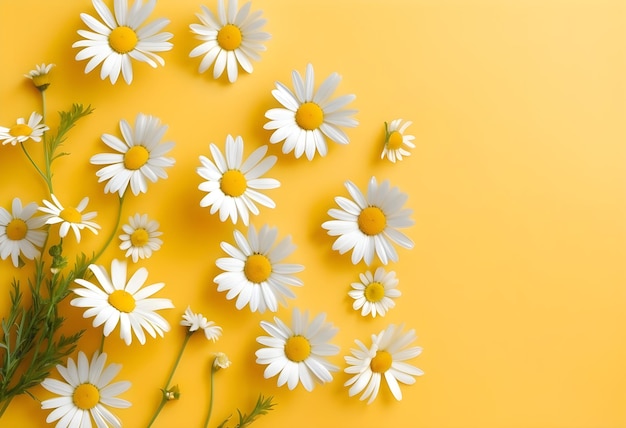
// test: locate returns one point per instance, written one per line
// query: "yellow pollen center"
(122, 300)
(136, 157)
(41, 80)
(86, 396)
(139, 237)
(257, 268)
(309, 116)
(71, 215)
(394, 142)
(381, 362)
(297, 348)
(372, 221)
(233, 183)
(16, 229)
(123, 39)
(375, 292)
(20, 130)
(229, 37)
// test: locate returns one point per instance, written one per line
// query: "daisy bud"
(40, 76)
(220, 361)
(173, 393)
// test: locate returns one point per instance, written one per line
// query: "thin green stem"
(113, 230)
(102, 343)
(41, 173)
(208, 416)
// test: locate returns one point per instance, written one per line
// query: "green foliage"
(262, 406)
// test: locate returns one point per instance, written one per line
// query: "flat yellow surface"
(516, 285)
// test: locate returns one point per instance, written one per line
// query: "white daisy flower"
(309, 117)
(69, 217)
(396, 140)
(198, 321)
(375, 293)
(299, 353)
(140, 157)
(117, 39)
(123, 302)
(384, 359)
(140, 237)
(254, 273)
(22, 131)
(230, 38)
(232, 184)
(40, 76)
(18, 232)
(221, 361)
(369, 224)
(86, 393)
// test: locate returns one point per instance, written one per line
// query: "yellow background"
(516, 284)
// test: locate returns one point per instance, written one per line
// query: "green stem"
(102, 343)
(41, 173)
(113, 231)
(208, 416)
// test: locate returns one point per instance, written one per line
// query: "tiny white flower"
(23, 131)
(70, 217)
(140, 237)
(375, 293)
(198, 321)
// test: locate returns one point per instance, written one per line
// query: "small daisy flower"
(40, 76)
(140, 158)
(375, 293)
(230, 38)
(117, 39)
(196, 322)
(221, 361)
(369, 224)
(309, 117)
(298, 353)
(396, 140)
(86, 393)
(70, 217)
(234, 185)
(18, 232)
(140, 237)
(253, 272)
(22, 131)
(127, 303)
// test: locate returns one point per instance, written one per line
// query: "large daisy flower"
(375, 293)
(230, 38)
(86, 393)
(18, 232)
(23, 131)
(40, 76)
(233, 184)
(254, 273)
(396, 141)
(140, 237)
(385, 358)
(117, 39)
(309, 117)
(117, 301)
(140, 157)
(369, 224)
(69, 217)
(299, 353)
(197, 322)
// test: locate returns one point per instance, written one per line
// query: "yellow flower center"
(41, 80)
(136, 157)
(123, 39)
(71, 215)
(372, 221)
(229, 37)
(139, 237)
(309, 116)
(86, 396)
(394, 141)
(381, 362)
(375, 292)
(20, 130)
(233, 183)
(297, 348)
(16, 229)
(122, 300)
(257, 268)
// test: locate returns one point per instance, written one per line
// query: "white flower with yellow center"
(253, 272)
(40, 76)
(18, 232)
(197, 322)
(140, 237)
(396, 141)
(234, 185)
(232, 37)
(375, 293)
(140, 158)
(70, 217)
(117, 302)
(86, 393)
(298, 353)
(23, 131)
(117, 39)
(309, 116)
(384, 359)
(368, 225)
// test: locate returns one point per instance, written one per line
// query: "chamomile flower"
(40, 76)
(232, 37)
(375, 293)
(254, 272)
(118, 38)
(396, 141)
(369, 224)
(196, 322)
(309, 117)
(384, 359)
(23, 131)
(86, 393)
(234, 185)
(140, 158)
(220, 361)
(298, 353)
(116, 301)
(69, 217)
(140, 237)
(18, 232)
